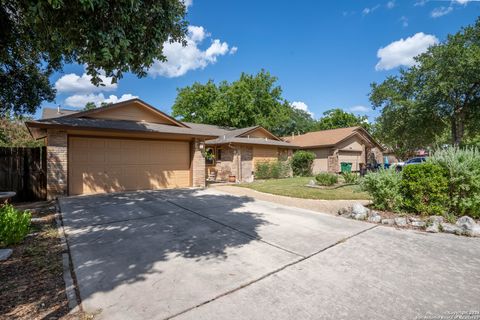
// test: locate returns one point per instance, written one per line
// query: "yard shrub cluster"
(272, 170)
(384, 188)
(448, 184)
(326, 179)
(350, 177)
(14, 225)
(302, 163)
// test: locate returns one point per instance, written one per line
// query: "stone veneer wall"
(247, 163)
(198, 165)
(57, 164)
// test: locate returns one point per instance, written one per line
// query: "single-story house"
(132, 146)
(352, 145)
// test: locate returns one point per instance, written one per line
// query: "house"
(133, 146)
(353, 145)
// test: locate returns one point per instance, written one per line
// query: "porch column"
(198, 164)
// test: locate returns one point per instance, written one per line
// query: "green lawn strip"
(296, 187)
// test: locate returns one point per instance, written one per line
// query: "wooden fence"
(23, 170)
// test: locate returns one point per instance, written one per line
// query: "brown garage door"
(98, 165)
(353, 157)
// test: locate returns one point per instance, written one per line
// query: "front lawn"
(296, 187)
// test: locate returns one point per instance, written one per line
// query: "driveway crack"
(271, 272)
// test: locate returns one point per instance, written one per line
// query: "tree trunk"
(458, 126)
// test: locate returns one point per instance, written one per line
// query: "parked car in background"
(412, 161)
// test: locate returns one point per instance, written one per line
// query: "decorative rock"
(36, 220)
(376, 219)
(358, 208)
(344, 211)
(5, 254)
(434, 228)
(359, 216)
(435, 219)
(401, 222)
(388, 221)
(373, 213)
(419, 224)
(468, 226)
(311, 183)
(451, 228)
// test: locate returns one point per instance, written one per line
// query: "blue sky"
(324, 53)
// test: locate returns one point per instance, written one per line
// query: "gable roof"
(328, 138)
(136, 101)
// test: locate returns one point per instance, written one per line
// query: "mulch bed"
(31, 280)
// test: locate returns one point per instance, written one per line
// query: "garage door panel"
(111, 165)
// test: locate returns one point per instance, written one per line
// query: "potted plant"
(232, 178)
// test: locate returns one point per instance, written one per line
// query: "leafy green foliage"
(384, 187)
(14, 133)
(462, 170)
(424, 189)
(337, 118)
(437, 96)
(272, 170)
(249, 101)
(114, 37)
(14, 225)
(89, 106)
(350, 177)
(301, 163)
(326, 179)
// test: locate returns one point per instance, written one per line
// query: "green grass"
(296, 187)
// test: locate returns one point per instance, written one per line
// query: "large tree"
(440, 93)
(14, 133)
(38, 36)
(248, 101)
(337, 118)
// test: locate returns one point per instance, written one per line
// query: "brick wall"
(57, 163)
(198, 165)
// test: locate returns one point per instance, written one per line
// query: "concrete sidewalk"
(204, 254)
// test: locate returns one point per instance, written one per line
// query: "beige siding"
(98, 165)
(263, 154)
(320, 164)
(132, 112)
(352, 144)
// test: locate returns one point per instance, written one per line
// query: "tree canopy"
(437, 97)
(337, 118)
(14, 133)
(250, 100)
(38, 36)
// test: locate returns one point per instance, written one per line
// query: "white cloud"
(360, 109)
(440, 12)
(188, 3)
(402, 52)
(370, 10)
(404, 21)
(391, 4)
(82, 84)
(300, 105)
(182, 59)
(420, 3)
(462, 2)
(80, 100)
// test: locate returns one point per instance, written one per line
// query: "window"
(209, 156)
(219, 154)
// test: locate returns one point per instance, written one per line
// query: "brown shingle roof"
(49, 113)
(322, 138)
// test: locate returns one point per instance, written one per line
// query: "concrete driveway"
(204, 254)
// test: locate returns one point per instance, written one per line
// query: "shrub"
(350, 177)
(14, 225)
(326, 179)
(384, 188)
(272, 170)
(302, 163)
(462, 169)
(424, 189)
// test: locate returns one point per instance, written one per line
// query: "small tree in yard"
(302, 163)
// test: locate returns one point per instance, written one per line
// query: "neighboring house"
(332, 147)
(132, 146)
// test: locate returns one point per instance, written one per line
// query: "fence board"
(23, 170)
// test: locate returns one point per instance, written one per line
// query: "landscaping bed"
(297, 187)
(31, 279)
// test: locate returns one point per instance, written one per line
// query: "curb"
(70, 287)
